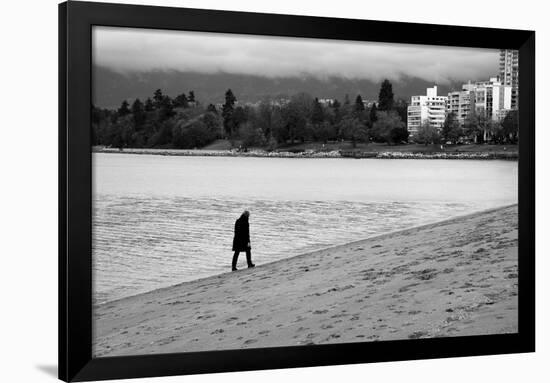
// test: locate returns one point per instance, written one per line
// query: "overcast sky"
(125, 49)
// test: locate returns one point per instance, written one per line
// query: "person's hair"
(246, 213)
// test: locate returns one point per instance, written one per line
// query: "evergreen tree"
(138, 112)
(149, 105)
(158, 98)
(359, 106)
(124, 109)
(166, 108)
(317, 115)
(227, 112)
(191, 97)
(336, 107)
(181, 101)
(385, 97)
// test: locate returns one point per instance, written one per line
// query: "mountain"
(111, 87)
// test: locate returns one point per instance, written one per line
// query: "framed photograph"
(243, 191)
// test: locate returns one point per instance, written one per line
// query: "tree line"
(159, 121)
(303, 118)
(183, 122)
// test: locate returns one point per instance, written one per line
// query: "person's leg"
(249, 258)
(234, 263)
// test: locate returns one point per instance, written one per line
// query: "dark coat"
(242, 234)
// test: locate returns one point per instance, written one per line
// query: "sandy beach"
(453, 278)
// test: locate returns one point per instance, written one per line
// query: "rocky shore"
(316, 154)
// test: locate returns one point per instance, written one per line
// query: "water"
(161, 220)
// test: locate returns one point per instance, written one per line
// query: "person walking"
(241, 240)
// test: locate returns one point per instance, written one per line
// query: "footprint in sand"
(317, 312)
(250, 341)
(333, 336)
(165, 341)
(341, 315)
(418, 334)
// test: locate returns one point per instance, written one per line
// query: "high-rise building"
(428, 109)
(509, 72)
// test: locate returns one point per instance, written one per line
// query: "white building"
(326, 101)
(429, 109)
(492, 98)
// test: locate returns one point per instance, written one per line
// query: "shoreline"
(512, 156)
(324, 249)
(407, 274)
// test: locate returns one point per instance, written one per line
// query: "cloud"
(138, 50)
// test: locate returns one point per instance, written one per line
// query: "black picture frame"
(75, 191)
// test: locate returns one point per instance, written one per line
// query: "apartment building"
(429, 109)
(492, 98)
(462, 102)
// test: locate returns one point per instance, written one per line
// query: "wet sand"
(453, 278)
